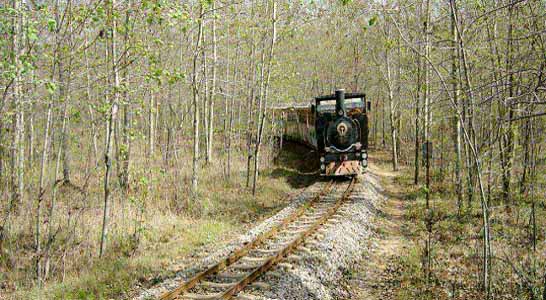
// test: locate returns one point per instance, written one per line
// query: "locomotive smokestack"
(340, 103)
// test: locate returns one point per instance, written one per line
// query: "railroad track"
(241, 268)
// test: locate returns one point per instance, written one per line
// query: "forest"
(124, 124)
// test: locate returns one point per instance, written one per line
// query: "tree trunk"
(508, 136)
(392, 110)
(17, 157)
(41, 192)
(151, 125)
(457, 127)
(205, 93)
(111, 120)
(472, 143)
(264, 96)
(89, 106)
(427, 110)
(417, 161)
(195, 104)
(212, 95)
(250, 104)
(125, 150)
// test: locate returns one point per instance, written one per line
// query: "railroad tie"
(245, 296)
(297, 231)
(267, 251)
(192, 296)
(243, 266)
(251, 259)
(302, 248)
(294, 258)
(230, 275)
(222, 285)
(285, 265)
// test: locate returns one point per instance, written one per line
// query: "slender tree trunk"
(89, 106)
(392, 110)
(250, 105)
(508, 136)
(427, 111)
(125, 155)
(428, 145)
(417, 124)
(65, 135)
(472, 143)
(205, 93)
(31, 137)
(111, 120)
(383, 126)
(41, 193)
(212, 95)
(195, 104)
(17, 157)
(457, 135)
(64, 95)
(265, 95)
(227, 98)
(151, 125)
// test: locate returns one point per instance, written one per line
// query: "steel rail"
(269, 263)
(241, 252)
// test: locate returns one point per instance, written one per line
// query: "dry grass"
(156, 224)
(518, 272)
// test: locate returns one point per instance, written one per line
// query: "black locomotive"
(341, 123)
(336, 126)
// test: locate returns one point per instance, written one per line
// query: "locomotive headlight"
(322, 159)
(322, 167)
(364, 155)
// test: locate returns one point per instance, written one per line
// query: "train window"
(354, 103)
(330, 105)
(327, 106)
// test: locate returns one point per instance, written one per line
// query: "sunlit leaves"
(372, 21)
(51, 87)
(51, 25)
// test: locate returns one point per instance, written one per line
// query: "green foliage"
(51, 25)
(50, 86)
(372, 21)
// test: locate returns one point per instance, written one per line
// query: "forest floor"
(171, 236)
(393, 268)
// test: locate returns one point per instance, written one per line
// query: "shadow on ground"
(298, 164)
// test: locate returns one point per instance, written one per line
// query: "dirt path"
(375, 277)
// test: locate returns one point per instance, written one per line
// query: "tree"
(195, 102)
(262, 108)
(110, 121)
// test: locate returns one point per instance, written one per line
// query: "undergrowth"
(152, 229)
(517, 270)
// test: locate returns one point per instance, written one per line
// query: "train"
(334, 125)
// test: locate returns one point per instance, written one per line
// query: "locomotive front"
(342, 133)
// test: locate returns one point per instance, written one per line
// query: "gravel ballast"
(317, 268)
(200, 263)
(335, 250)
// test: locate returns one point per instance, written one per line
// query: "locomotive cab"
(341, 123)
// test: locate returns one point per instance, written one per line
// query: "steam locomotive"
(336, 126)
